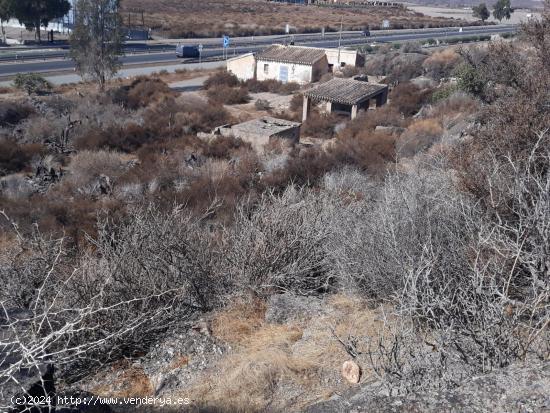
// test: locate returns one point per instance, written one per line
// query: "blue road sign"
(226, 41)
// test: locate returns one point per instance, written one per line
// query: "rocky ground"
(288, 356)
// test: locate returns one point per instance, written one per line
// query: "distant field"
(192, 18)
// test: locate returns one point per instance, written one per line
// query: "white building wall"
(242, 66)
(348, 57)
(296, 73)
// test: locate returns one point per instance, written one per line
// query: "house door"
(283, 74)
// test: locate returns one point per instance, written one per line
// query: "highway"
(151, 54)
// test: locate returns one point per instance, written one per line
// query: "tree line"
(501, 10)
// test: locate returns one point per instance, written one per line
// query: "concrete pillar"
(306, 108)
(354, 111)
(382, 98)
(329, 107)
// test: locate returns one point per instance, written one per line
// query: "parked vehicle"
(187, 51)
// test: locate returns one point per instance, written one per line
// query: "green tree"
(31, 83)
(470, 80)
(481, 12)
(34, 14)
(97, 39)
(6, 13)
(502, 10)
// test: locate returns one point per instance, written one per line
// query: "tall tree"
(6, 13)
(502, 10)
(35, 14)
(97, 39)
(481, 12)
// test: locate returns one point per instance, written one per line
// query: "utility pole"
(340, 38)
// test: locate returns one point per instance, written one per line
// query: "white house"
(291, 64)
(243, 66)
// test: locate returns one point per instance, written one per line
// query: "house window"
(266, 68)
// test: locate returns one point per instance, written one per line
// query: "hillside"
(213, 18)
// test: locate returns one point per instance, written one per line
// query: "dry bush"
(441, 64)
(87, 168)
(456, 105)
(225, 95)
(408, 98)
(125, 138)
(296, 104)
(12, 114)
(221, 78)
(142, 92)
(418, 137)
(319, 126)
(371, 151)
(386, 115)
(278, 246)
(15, 157)
(399, 67)
(44, 129)
(224, 147)
(272, 86)
(302, 167)
(114, 302)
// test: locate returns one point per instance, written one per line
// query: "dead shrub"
(262, 104)
(296, 103)
(408, 98)
(272, 86)
(223, 147)
(125, 138)
(12, 114)
(141, 93)
(221, 78)
(15, 157)
(418, 137)
(441, 64)
(303, 167)
(225, 95)
(367, 150)
(86, 168)
(319, 126)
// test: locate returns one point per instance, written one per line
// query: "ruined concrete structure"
(348, 96)
(264, 130)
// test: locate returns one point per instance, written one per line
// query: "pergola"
(345, 96)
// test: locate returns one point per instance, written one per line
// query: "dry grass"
(213, 18)
(129, 382)
(271, 363)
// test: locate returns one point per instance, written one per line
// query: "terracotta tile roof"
(345, 91)
(291, 54)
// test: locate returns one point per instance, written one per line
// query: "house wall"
(242, 66)
(349, 57)
(296, 73)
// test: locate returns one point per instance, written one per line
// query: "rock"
(521, 388)
(390, 129)
(283, 308)
(351, 371)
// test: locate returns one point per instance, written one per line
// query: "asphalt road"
(11, 69)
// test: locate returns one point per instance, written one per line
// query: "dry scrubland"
(141, 259)
(213, 18)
